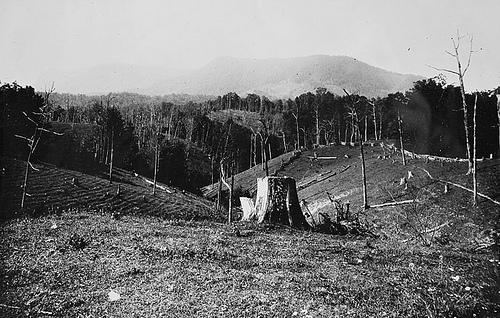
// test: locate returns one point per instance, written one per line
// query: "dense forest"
(187, 137)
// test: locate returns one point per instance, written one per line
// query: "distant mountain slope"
(106, 78)
(287, 77)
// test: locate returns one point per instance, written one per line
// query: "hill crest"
(286, 77)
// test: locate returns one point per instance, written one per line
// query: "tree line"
(184, 141)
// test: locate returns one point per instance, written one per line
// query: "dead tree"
(474, 156)
(283, 136)
(461, 74)
(354, 112)
(264, 144)
(38, 119)
(297, 143)
(374, 112)
(157, 158)
(221, 172)
(251, 148)
(319, 91)
(401, 138)
(496, 93)
(228, 186)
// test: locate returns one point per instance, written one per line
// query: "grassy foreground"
(73, 264)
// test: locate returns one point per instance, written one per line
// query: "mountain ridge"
(273, 77)
(287, 77)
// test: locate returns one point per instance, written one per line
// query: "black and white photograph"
(250, 158)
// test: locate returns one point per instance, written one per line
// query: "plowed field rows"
(52, 188)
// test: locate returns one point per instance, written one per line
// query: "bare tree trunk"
(262, 152)
(461, 73)
(265, 158)
(363, 175)
(353, 131)
(255, 150)
(366, 128)
(474, 171)
(157, 154)
(284, 142)
(498, 114)
(251, 149)
(111, 155)
(375, 120)
(170, 124)
(298, 129)
(380, 126)
(466, 125)
(25, 183)
(401, 139)
(317, 125)
(219, 189)
(363, 168)
(230, 216)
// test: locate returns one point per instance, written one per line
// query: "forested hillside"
(193, 137)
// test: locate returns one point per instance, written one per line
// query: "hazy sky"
(401, 36)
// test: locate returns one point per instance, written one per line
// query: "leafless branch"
(444, 70)
(33, 167)
(29, 118)
(22, 137)
(453, 55)
(50, 131)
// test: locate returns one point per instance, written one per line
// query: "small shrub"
(78, 242)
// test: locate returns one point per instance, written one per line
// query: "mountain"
(277, 77)
(105, 78)
(286, 77)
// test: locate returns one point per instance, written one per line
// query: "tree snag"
(461, 74)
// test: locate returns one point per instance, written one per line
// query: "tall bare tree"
(320, 92)
(353, 110)
(474, 157)
(400, 121)
(461, 74)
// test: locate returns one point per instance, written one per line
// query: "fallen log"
(393, 203)
(159, 186)
(321, 158)
(328, 175)
(434, 229)
(461, 187)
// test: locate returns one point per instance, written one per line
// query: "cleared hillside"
(53, 189)
(102, 254)
(340, 179)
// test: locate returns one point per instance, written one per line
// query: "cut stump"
(277, 202)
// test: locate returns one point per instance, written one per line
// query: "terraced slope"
(56, 189)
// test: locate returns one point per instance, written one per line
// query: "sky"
(396, 35)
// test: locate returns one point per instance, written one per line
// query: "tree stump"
(277, 202)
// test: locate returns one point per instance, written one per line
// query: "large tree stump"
(277, 202)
